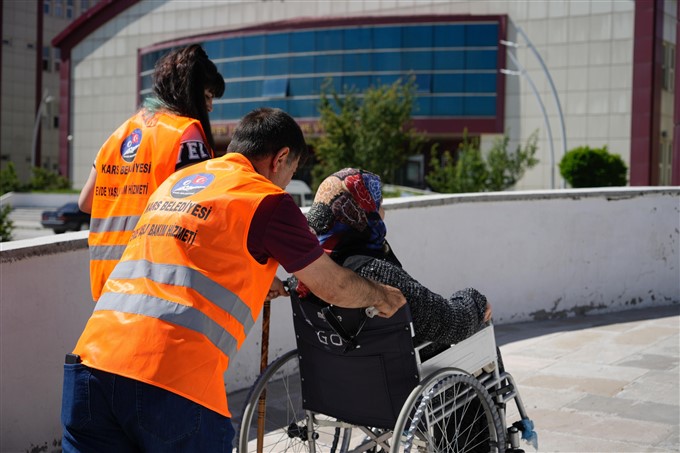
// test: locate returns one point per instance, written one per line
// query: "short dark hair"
(180, 79)
(264, 131)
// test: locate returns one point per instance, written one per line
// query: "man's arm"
(85, 198)
(342, 287)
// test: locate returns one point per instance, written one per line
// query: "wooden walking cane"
(261, 404)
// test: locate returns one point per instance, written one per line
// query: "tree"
(470, 171)
(593, 167)
(370, 131)
(6, 224)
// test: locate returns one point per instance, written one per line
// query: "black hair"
(264, 131)
(180, 79)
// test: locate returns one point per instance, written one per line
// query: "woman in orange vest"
(147, 371)
(171, 130)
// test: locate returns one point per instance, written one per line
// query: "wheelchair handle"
(371, 311)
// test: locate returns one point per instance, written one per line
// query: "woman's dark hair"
(180, 79)
(264, 131)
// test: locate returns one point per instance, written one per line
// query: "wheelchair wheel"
(450, 411)
(287, 426)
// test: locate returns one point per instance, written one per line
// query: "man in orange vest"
(147, 371)
(172, 130)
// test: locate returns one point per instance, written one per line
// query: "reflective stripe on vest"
(106, 252)
(116, 223)
(177, 275)
(165, 310)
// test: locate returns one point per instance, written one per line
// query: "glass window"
(276, 66)
(328, 63)
(58, 8)
(301, 65)
(213, 48)
(417, 36)
(46, 58)
(423, 83)
(84, 5)
(358, 38)
(277, 43)
(47, 7)
(357, 62)
(449, 35)
(275, 88)
(387, 37)
(329, 39)
(147, 82)
(302, 41)
(421, 106)
(481, 59)
(387, 61)
(69, 9)
(451, 59)
(480, 83)
(253, 68)
(479, 106)
(416, 61)
(481, 34)
(230, 69)
(253, 45)
(448, 83)
(233, 47)
(301, 87)
(447, 106)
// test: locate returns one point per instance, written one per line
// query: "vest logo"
(128, 150)
(191, 185)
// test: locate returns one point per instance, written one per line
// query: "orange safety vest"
(182, 299)
(132, 163)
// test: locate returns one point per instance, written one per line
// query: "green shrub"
(471, 171)
(6, 224)
(47, 180)
(593, 167)
(9, 181)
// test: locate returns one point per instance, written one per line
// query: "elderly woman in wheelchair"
(356, 382)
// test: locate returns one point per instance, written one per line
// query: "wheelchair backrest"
(366, 385)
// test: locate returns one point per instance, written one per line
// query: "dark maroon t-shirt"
(279, 230)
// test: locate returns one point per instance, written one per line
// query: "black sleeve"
(435, 318)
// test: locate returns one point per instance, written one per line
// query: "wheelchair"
(357, 383)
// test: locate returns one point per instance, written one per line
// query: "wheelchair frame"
(462, 393)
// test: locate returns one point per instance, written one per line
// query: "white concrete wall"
(535, 255)
(586, 45)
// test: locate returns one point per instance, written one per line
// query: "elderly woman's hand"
(487, 312)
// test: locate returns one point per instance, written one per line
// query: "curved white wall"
(534, 254)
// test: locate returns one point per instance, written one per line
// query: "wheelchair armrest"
(470, 355)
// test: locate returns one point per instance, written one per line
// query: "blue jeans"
(103, 412)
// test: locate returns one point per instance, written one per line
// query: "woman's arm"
(434, 318)
(86, 194)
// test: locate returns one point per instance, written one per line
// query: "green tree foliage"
(593, 167)
(370, 131)
(6, 224)
(471, 171)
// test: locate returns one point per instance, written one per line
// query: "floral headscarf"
(345, 213)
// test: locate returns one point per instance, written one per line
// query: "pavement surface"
(598, 383)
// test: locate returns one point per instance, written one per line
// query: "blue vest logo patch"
(191, 185)
(128, 150)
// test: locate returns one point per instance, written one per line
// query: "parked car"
(67, 218)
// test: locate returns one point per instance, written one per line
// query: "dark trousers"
(103, 412)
